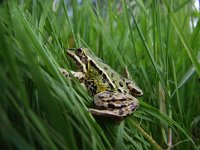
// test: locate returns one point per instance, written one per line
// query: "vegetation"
(157, 41)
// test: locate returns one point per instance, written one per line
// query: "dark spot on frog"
(112, 99)
(119, 90)
(121, 112)
(104, 76)
(93, 64)
(121, 84)
(125, 92)
(132, 106)
(79, 52)
(93, 89)
(123, 105)
(84, 59)
(82, 79)
(89, 82)
(101, 107)
(111, 86)
(105, 68)
(100, 72)
(110, 105)
(113, 81)
(101, 96)
(90, 85)
(86, 65)
(112, 75)
(104, 80)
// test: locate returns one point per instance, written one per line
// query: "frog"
(114, 96)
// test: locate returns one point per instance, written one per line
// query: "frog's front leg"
(114, 104)
(79, 75)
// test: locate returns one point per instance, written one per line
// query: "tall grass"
(155, 40)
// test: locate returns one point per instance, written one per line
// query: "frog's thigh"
(112, 100)
(117, 113)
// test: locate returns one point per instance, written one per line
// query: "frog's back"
(117, 80)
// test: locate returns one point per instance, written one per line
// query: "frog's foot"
(64, 72)
(79, 75)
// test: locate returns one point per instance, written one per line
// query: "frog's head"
(79, 56)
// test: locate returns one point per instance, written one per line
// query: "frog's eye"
(79, 52)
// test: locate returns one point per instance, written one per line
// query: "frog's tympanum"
(114, 96)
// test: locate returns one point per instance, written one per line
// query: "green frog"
(114, 95)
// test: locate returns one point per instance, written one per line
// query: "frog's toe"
(64, 72)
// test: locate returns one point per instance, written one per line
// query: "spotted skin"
(115, 113)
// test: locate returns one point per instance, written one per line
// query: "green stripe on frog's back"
(113, 77)
(93, 62)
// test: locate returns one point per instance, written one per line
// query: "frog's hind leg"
(111, 100)
(117, 113)
(114, 104)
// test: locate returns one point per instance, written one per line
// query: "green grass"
(41, 109)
